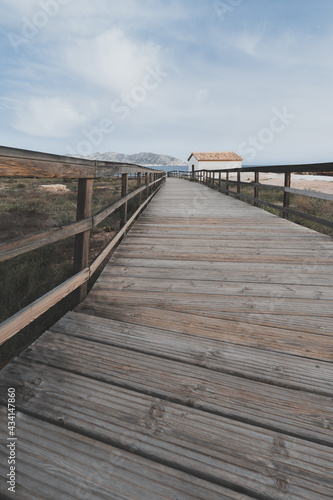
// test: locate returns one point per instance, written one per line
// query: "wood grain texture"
(73, 466)
(199, 366)
(223, 450)
(23, 163)
(277, 368)
(293, 412)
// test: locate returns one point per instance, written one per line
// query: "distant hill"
(143, 159)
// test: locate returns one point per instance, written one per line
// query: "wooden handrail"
(15, 323)
(205, 176)
(22, 163)
(25, 244)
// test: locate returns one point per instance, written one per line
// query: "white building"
(214, 161)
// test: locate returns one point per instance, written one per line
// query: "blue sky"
(250, 76)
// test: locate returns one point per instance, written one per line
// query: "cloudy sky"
(170, 77)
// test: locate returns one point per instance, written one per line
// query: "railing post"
(138, 183)
(286, 196)
(150, 180)
(146, 182)
(81, 244)
(238, 184)
(227, 183)
(192, 171)
(256, 188)
(220, 181)
(124, 192)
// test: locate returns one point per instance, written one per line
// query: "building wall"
(212, 165)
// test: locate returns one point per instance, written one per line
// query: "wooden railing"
(216, 178)
(21, 163)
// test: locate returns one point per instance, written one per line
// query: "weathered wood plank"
(219, 304)
(217, 271)
(236, 332)
(72, 466)
(258, 364)
(265, 256)
(292, 412)
(217, 287)
(213, 447)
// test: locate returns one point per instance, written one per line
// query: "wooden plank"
(24, 317)
(252, 335)
(19, 246)
(220, 287)
(208, 446)
(216, 271)
(263, 255)
(219, 304)
(292, 412)
(72, 466)
(258, 364)
(231, 242)
(322, 251)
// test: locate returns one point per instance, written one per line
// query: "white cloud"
(48, 117)
(112, 59)
(248, 43)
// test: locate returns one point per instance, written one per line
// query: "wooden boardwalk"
(199, 366)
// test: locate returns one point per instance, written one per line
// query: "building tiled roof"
(216, 156)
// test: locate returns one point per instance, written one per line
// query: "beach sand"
(321, 183)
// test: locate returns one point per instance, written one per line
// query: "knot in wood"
(156, 411)
(281, 483)
(280, 447)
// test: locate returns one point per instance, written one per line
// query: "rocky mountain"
(143, 159)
